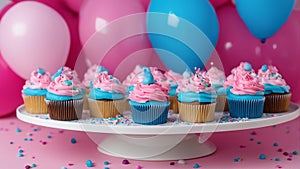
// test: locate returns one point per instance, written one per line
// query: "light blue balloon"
(183, 33)
(264, 17)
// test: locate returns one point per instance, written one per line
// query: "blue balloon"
(183, 33)
(264, 17)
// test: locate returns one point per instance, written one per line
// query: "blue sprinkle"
(33, 165)
(258, 142)
(196, 166)
(89, 163)
(264, 68)
(30, 139)
(49, 136)
(18, 130)
(11, 142)
(253, 133)
(247, 66)
(102, 69)
(275, 144)
(41, 71)
(262, 156)
(25, 139)
(277, 159)
(21, 151)
(251, 139)
(35, 129)
(20, 155)
(237, 159)
(73, 141)
(68, 82)
(106, 163)
(64, 168)
(106, 168)
(295, 153)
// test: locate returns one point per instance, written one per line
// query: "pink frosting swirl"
(152, 92)
(246, 83)
(108, 83)
(64, 86)
(89, 75)
(38, 80)
(216, 76)
(198, 82)
(134, 77)
(173, 77)
(271, 76)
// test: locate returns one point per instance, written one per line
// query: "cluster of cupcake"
(149, 93)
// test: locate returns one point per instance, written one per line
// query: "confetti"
(262, 156)
(18, 130)
(73, 140)
(237, 159)
(89, 163)
(196, 166)
(33, 165)
(295, 152)
(106, 163)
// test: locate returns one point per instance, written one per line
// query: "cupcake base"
(174, 104)
(65, 110)
(196, 112)
(246, 108)
(222, 104)
(277, 103)
(106, 108)
(149, 114)
(85, 100)
(35, 104)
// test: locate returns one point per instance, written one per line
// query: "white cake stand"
(171, 141)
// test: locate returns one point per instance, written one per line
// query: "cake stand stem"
(156, 148)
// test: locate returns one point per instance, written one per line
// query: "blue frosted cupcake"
(149, 101)
(246, 97)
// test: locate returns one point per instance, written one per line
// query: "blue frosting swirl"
(202, 97)
(258, 95)
(221, 90)
(99, 94)
(34, 92)
(55, 97)
(269, 89)
(172, 91)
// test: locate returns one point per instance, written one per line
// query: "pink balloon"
(41, 38)
(10, 89)
(218, 3)
(146, 3)
(74, 5)
(113, 20)
(6, 8)
(237, 44)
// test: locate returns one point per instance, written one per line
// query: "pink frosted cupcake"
(173, 79)
(65, 96)
(34, 92)
(277, 92)
(107, 96)
(87, 82)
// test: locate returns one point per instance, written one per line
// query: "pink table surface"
(57, 152)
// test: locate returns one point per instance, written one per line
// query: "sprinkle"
(289, 159)
(125, 162)
(262, 156)
(106, 163)
(44, 142)
(251, 139)
(27, 167)
(70, 164)
(278, 166)
(259, 142)
(30, 139)
(277, 159)
(21, 151)
(172, 163)
(181, 162)
(253, 133)
(11, 142)
(106, 168)
(286, 153)
(49, 136)
(64, 168)
(242, 146)
(138, 167)
(295, 152)
(20, 155)
(196, 166)
(89, 163)
(25, 139)
(73, 140)
(33, 165)
(280, 150)
(35, 129)
(18, 130)
(237, 159)
(275, 144)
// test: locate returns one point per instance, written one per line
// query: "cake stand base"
(156, 148)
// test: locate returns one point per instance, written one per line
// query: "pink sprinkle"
(27, 167)
(33, 157)
(60, 131)
(279, 150)
(278, 166)
(44, 142)
(242, 146)
(6, 129)
(290, 155)
(70, 164)
(19, 147)
(138, 167)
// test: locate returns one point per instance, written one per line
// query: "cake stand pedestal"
(171, 141)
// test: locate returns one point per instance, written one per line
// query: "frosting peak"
(39, 79)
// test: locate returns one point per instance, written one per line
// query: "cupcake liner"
(173, 104)
(246, 108)
(106, 108)
(85, 100)
(35, 104)
(65, 110)
(277, 103)
(222, 104)
(149, 114)
(196, 112)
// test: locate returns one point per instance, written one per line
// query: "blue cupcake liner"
(149, 114)
(246, 108)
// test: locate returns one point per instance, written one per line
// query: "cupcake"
(149, 101)
(217, 79)
(246, 97)
(197, 99)
(277, 92)
(34, 92)
(64, 98)
(107, 96)
(172, 79)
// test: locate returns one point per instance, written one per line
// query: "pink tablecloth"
(52, 149)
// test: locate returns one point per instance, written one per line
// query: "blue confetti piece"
(21, 151)
(106, 163)
(64, 168)
(33, 165)
(275, 144)
(277, 159)
(49, 136)
(237, 159)
(18, 130)
(73, 140)
(196, 166)
(295, 153)
(20, 155)
(89, 163)
(35, 129)
(262, 156)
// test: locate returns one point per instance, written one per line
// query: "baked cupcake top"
(37, 84)
(105, 86)
(246, 83)
(272, 80)
(89, 75)
(197, 89)
(149, 90)
(172, 79)
(65, 86)
(217, 78)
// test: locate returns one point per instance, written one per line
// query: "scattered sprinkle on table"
(238, 159)
(262, 156)
(89, 163)
(138, 167)
(106, 163)
(172, 163)
(196, 166)
(295, 152)
(27, 167)
(73, 140)
(275, 144)
(18, 130)
(125, 162)
(277, 159)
